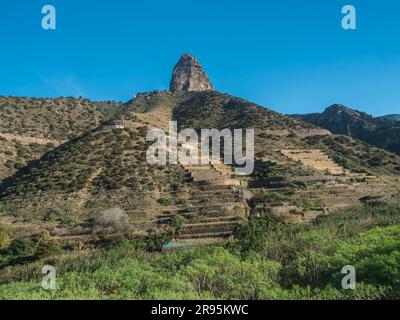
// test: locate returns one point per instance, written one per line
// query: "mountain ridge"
(395, 117)
(380, 131)
(106, 160)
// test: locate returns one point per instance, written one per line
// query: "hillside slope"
(29, 127)
(106, 167)
(395, 117)
(101, 169)
(382, 132)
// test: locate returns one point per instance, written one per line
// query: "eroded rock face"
(188, 75)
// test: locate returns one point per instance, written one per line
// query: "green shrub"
(22, 247)
(176, 223)
(4, 237)
(51, 215)
(166, 201)
(47, 249)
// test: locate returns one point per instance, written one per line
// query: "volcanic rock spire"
(188, 75)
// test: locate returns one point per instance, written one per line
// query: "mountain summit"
(188, 75)
(339, 119)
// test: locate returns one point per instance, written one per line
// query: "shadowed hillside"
(29, 127)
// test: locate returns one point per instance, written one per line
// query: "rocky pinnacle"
(188, 75)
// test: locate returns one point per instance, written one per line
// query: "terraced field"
(214, 208)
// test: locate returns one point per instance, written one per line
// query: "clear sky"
(289, 55)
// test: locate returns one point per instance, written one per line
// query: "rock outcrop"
(188, 75)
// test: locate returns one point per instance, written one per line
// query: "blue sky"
(289, 55)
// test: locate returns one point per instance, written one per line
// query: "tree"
(114, 217)
(47, 248)
(22, 247)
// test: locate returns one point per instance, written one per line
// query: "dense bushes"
(21, 247)
(374, 254)
(204, 273)
(126, 273)
(366, 237)
(4, 236)
(23, 250)
(269, 259)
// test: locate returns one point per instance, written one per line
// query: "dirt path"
(29, 140)
(84, 194)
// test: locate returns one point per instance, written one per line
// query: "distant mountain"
(395, 117)
(81, 158)
(382, 132)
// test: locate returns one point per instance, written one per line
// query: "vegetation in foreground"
(268, 259)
